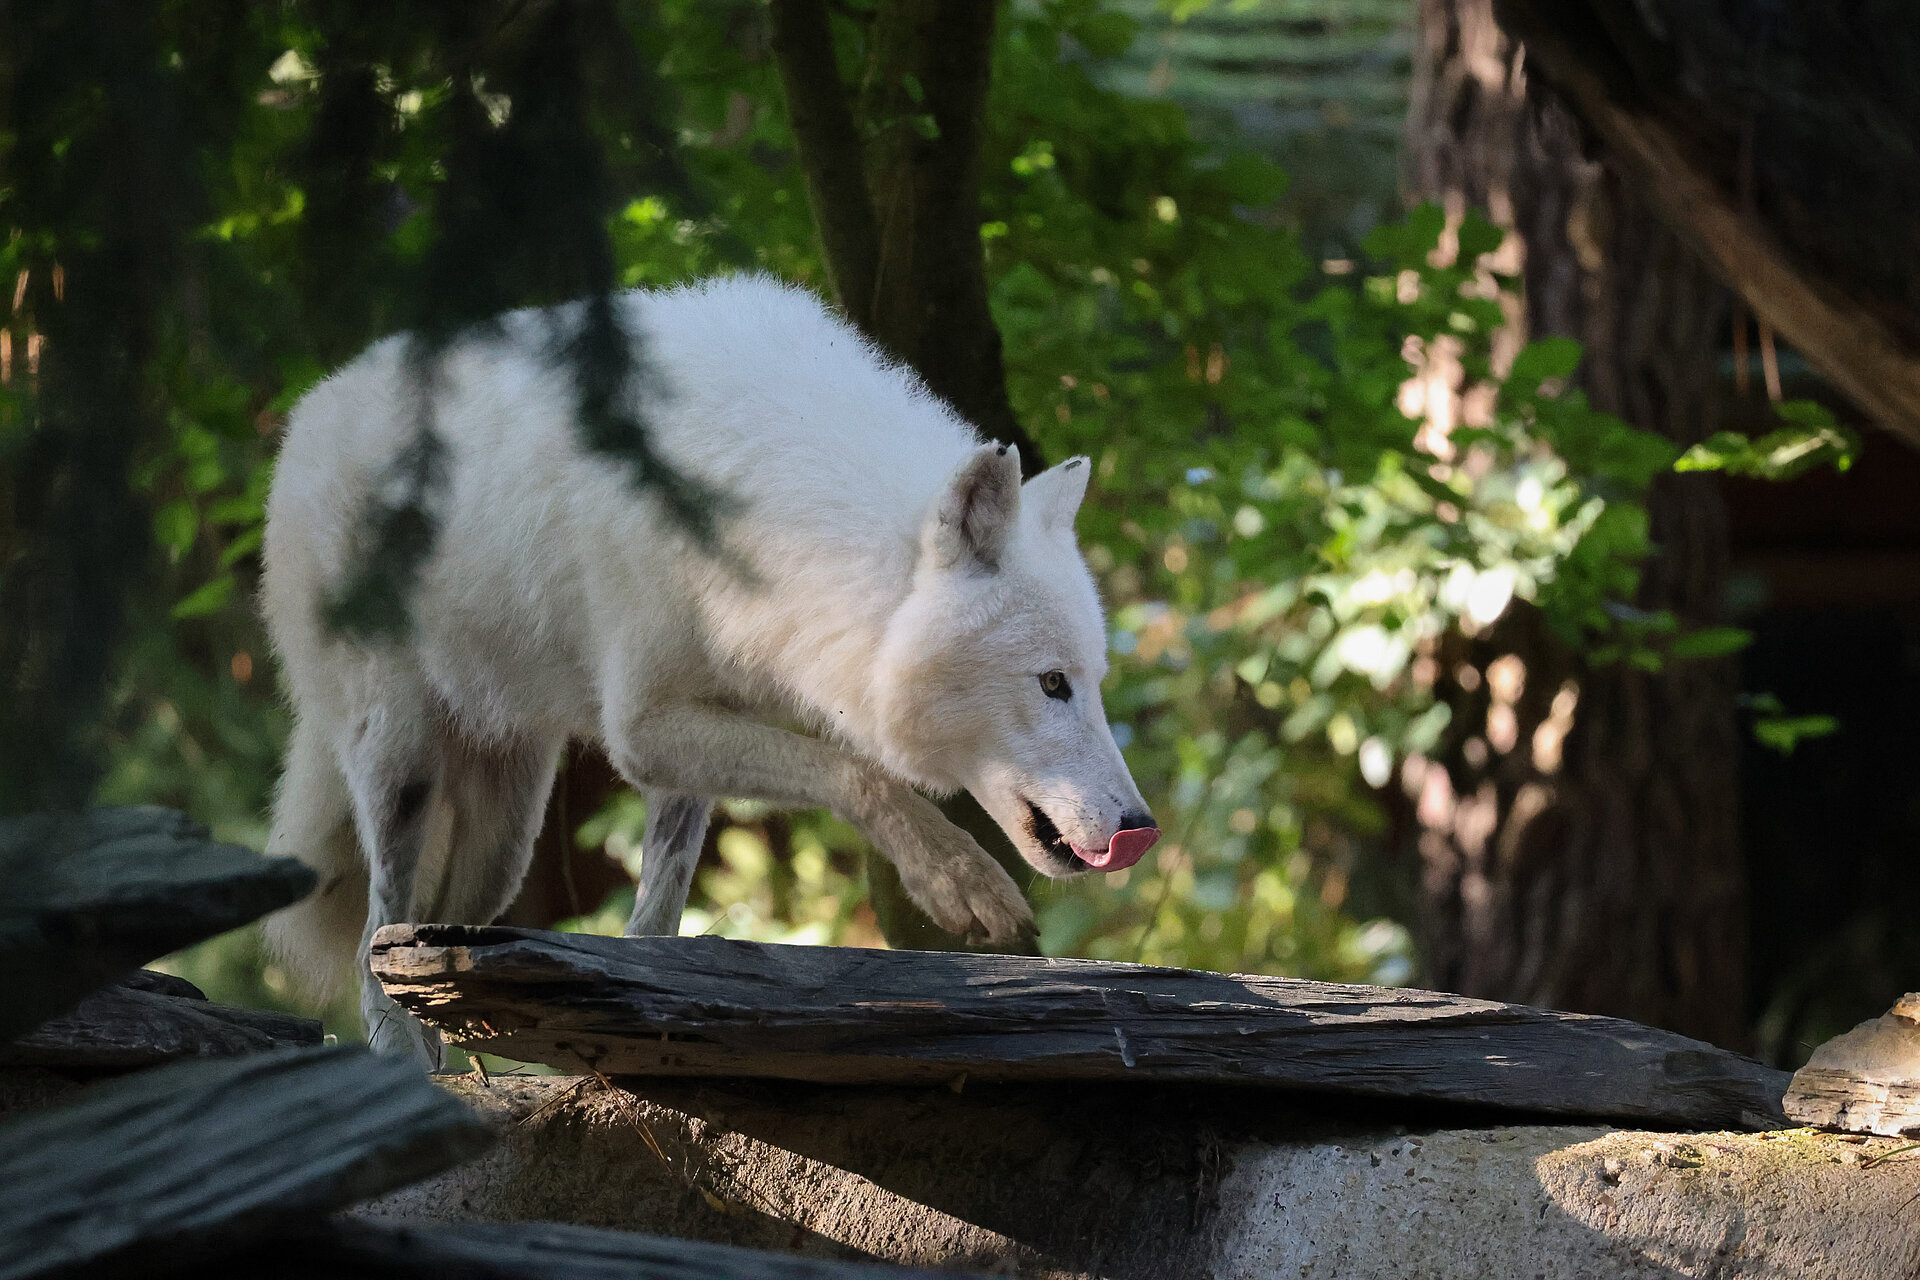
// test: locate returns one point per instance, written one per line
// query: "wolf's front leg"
(717, 753)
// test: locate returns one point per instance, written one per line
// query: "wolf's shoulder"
(756, 348)
(758, 318)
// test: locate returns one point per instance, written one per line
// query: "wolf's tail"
(317, 940)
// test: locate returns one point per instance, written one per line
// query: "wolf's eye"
(1054, 685)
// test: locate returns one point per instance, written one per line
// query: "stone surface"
(1867, 1080)
(527, 1251)
(1561, 1203)
(91, 895)
(1159, 1184)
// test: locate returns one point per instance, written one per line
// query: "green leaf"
(1711, 642)
(1543, 359)
(211, 598)
(239, 508)
(1477, 236)
(175, 526)
(1408, 243)
(1783, 733)
(241, 547)
(1811, 438)
(1105, 34)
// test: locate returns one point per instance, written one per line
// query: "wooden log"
(717, 1007)
(1867, 1080)
(185, 1160)
(536, 1251)
(122, 1028)
(91, 895)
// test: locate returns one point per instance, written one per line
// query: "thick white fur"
(903, 595)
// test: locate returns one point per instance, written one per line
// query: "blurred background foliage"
(1314, 454)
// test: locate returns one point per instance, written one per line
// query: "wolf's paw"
(966, 892)
(392, 1030)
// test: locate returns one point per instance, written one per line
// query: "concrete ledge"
(1131, 1182)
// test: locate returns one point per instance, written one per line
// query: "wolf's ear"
(970, 523)
(1054, 495)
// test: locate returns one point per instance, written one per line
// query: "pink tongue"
(1123, 851)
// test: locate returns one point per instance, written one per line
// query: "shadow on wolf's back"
(890, 585)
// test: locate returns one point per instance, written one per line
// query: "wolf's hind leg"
(389, 759)
(676, 828)
(497, 795)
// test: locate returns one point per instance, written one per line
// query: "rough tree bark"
(1578, 835)
(894, 183)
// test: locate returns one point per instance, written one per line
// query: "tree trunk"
(895, 189)
(1578, 836)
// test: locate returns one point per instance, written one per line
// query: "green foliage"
(1711, 642)
(1779, 731)
(1275, 546)
(1810, 438)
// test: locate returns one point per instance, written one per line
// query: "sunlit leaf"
(1711, 642)
(1784, 733)
(209, 599)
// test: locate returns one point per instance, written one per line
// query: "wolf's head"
(989, 677)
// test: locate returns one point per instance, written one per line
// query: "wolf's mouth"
(1049, 837)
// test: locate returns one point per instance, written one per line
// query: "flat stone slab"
(123, 1027)
(186, 1161)
(93, 894)
(1069, 1181)
(717, 1007)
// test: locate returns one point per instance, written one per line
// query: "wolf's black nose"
(1134, 819)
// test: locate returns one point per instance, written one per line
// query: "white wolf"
(922, 618)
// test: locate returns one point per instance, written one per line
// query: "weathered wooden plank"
(165, 984)
(192, 1157)
(543, 1251)
(123, 1027)
(1867, 1080)
(716, 1007)
(93, 894)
